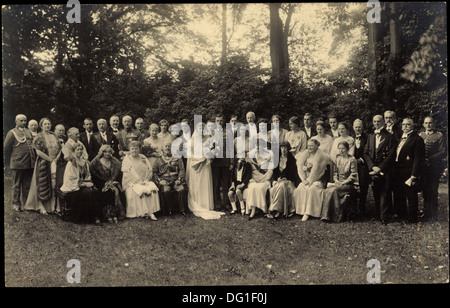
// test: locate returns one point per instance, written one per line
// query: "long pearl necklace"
(20, 139)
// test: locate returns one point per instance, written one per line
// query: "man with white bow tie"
(435, 149)
(363, 171)
(87, 138)
(409, 159)
(378, 157)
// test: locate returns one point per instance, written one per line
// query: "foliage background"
(101, 66)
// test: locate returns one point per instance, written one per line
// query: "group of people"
(323, 170)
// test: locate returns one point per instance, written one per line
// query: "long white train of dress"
(200, 189)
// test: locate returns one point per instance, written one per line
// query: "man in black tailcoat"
(378, 157)
(409, 159)
(363, 171)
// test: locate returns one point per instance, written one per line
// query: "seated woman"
(240, 177)
(335, 202)
(170, 178)
(285, 179)
(259, 184)
(141, 193)
(311, 167)
(42, 190)
(81, 204)
(106, 174)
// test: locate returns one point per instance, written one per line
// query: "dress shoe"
(384, 222)
(184, 214)
(152, 217)
(233, 212)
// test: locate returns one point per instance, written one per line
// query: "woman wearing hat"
(285, 179)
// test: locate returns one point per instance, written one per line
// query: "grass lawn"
(190, 251)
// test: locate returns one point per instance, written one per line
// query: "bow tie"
(358, 137)
(377, 132)
(404, 137)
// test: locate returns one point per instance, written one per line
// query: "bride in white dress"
(199, 180)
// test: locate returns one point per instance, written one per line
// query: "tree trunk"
(393, 61)
(375, 40)
(278, 43)
(223, 59)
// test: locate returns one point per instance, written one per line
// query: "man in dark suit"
(87, 138)
(308, 128)
(435, 149)
(103, 136)
(408, 167)
(363, 171)
(378, 156)
(392, 124)
(127, 134)
(114, 123)
(60, 133)
(333, 130)
(139, 124)
(221, 167)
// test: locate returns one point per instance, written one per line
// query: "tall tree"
(279, 53)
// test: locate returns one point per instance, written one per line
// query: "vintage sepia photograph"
(225, 145)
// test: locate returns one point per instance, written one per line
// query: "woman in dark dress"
(105, 171)
(81, 205)
(285, 179)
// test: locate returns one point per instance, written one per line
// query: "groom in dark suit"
(87, 138)
(378, 157)
(409, 158)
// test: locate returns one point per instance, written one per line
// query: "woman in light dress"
(344, 136)
(164, 135)
(296, 137)
(311, 166)
(153, 145)
(140, 191)
(42, 190)
(326, 141)
(336, 205)
(199, 178)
